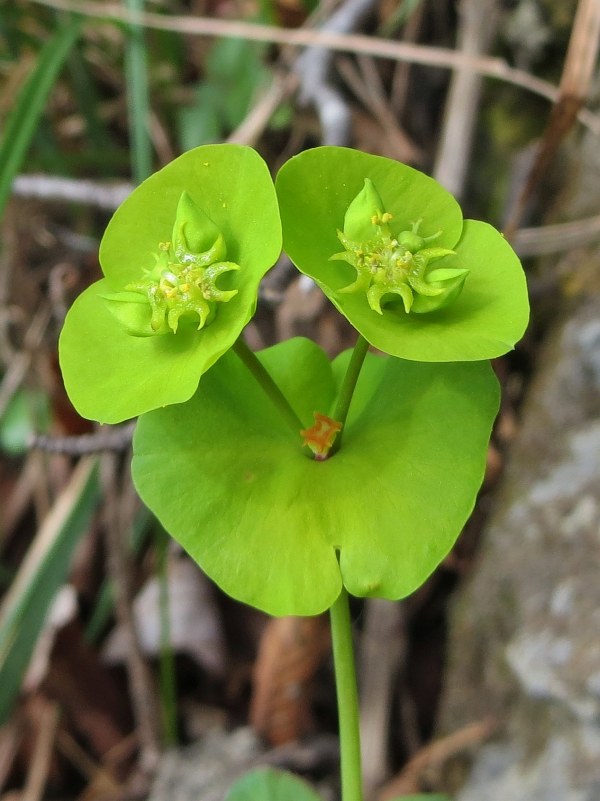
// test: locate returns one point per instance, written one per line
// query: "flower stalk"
(347, 698)
(260, 373)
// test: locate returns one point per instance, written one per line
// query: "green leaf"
(24, 118)
(27, 413)
(110, 373)
(269, 784)
(236, 68)
(26, 604)
(229, 480)
(138, 95)
(485, 320)
(200, 124)
(235, 73)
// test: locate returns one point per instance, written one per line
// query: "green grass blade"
(41, 574)
(24, 117)
(136, 73)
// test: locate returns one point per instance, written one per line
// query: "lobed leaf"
(280, 531)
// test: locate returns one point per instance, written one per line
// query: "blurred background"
(124, 673)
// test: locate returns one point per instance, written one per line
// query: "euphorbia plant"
(290, 479)
(127, 346)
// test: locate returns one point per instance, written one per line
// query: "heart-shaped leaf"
(114, 364)
(322, 191)
(278, 530)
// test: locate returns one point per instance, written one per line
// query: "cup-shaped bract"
(182, 259)
(389, 247)
(281, 531)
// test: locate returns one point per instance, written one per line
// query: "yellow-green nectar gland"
(388, 265)
(184, 284)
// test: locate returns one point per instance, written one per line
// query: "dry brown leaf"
(291, 650)
(194, 622)
(89, 695)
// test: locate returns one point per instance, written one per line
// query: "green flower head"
(182, 282)
(182, 260)
(413, 278)
(394, 265)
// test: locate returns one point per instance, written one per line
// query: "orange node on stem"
(321, 436)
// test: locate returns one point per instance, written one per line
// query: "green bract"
(282, 531)
(419, 283)
(182, 258)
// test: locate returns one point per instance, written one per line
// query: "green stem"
(347, 698)
(348, 386)
(260, 373)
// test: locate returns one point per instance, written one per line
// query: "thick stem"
(347, 698)
(269, 386)
(347, 390)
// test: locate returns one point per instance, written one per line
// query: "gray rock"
(204, 771)
(525, 636)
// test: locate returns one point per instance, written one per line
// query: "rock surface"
(206, 770)
(525, 638)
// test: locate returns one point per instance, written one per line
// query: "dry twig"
(141, 685)
(313, 68)
(71, 190)
(477, 25)
(435, 755)
(368, 89)
(490, 67)
(17, 370)
(107, 438)
(382, 650)
(39, 766)
(572, 93)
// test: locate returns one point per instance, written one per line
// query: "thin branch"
(91, 193)
(39, 766)
(17, 371)
(141, 685)
(582, 53)
(382, 654)
(556, 238)
(374, 100)
(526, 241)
(251, 128)
(572, 92)
(477, 25)
(313, 68)
(436, 754)
(108, 438)
(490, 67)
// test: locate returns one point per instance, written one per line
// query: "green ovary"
(388, 264)
(183, 283)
